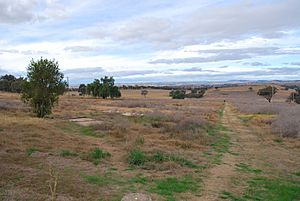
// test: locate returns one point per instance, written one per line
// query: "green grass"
(182, 161)
(171, 186)
(103, 180)
(278, 140)
(159, 157)
(31, 150)
(88, 131)
(247, 168)
(221, 144)
(96, 155)
(139, 178)
(140, 140)
(71, 127)
(267, 189)
(137, 157)
(297, 173)
(67, 153)
(229, 196)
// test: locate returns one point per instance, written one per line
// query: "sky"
(154, 40)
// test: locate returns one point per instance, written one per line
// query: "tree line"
(10, 83)
(104, 88)
(45, 83)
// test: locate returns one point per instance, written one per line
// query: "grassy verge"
(171, 186)
(137, 157)
(263, 188)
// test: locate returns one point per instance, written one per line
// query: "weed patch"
(139, 178)
(246, 168)
(262, 188)
(297, 173)
(68, 153)
(137, 157)
(31, 150)
(170, 186)
(96, 155)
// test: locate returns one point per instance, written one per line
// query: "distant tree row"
(181, 94)
(10, 83)
(104, 88)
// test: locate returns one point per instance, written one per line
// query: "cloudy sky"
(154, 40)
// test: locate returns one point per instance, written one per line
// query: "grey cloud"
(295, 63)
(228, 21)
(15, 11)
(256, 64)
(284, 70)
(131, 73)
(94, 72)
(31, 52)
(8, 51)
(87, 70)
(80, 48)
(228, 55)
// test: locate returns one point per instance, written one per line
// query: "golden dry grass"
(30, 146)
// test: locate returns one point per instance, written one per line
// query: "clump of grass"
(222, 144)
(170, 186)
(182, 161)
(140, 140)
(31, 150)
(96, 155)
(229, 196)
(137, 157)
(139, 178)
(88, 131)
(263, 188)
(66, 153)
(278, 140)
(158, 156)
(297, 173)
(103, 180)
(247, 168)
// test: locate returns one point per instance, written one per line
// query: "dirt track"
(249, 148)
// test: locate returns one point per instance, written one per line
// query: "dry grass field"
(192, 149)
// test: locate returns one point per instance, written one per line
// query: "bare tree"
(144, 92)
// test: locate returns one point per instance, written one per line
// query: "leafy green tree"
(105, 87)
(16, 86)
(10, 83)
(44, 85)
(295, 96)
(82, 89)
(177, 94)
(267, 92)
(115, 92)
(196, 93)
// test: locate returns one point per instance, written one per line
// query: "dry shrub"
(120, 127)
(12, 105)
(288, 123)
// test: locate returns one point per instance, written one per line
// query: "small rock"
(136, 197)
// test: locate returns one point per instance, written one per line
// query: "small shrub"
(139, 140)
(177, 94)
(137, 157)
(171, 185)
(31, 150)
(96, 155)
(158, 156)
(139, 178)
(66, 153)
